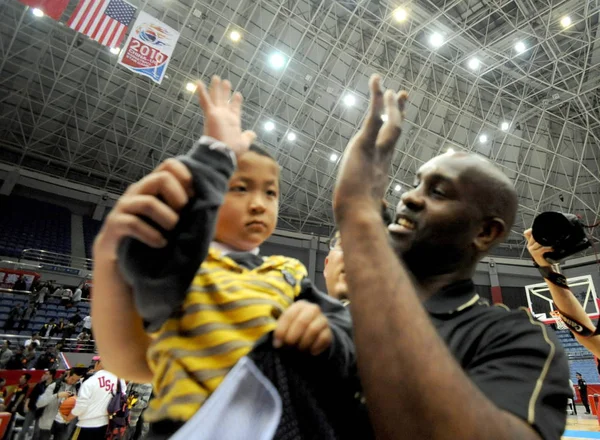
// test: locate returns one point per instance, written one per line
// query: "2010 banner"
(149, 47)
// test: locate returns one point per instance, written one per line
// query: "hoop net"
(559, 322)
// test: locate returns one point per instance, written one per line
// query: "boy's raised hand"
(303, 325)
(223, 115)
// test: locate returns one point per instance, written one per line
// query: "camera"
(563, 232)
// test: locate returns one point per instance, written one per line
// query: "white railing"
(54, 258)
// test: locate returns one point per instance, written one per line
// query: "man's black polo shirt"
(516, 361)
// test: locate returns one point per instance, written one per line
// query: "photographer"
(564, 299)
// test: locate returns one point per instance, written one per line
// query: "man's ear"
(491, 232)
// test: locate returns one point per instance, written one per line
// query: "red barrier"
(4, 422)
(593, 388)
(8, 277)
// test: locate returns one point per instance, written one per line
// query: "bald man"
(435, 360)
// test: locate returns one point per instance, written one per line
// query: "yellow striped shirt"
(227, 309)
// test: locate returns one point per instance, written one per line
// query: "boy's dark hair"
(261, 152)
(52, 372)
(27, 376)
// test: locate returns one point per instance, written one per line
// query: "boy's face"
(248, 215)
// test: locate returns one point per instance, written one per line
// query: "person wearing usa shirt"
(92, 403)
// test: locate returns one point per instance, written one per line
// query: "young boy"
(196, 336)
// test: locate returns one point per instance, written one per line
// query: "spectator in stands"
(35, 285)
(28, 315)
(75, 319)
(83, 342)
(41, 294)
(138, 396)
(20, 284)
(48, 359)
(35, 340)
(582, 384)
(32, 413)
(51, 421)
(30, 354)
(59, 328)
(3, 394)
(13, 316)
(92, 403)
(67, 297)
(18, 360)
(17, 402)
(87, 325)
(57, 292)
(77, 295)
(5, 354)
(48, 329)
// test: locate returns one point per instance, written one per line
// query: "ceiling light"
(384, 118)
(116, 50)
(333, 157)
(291, 136)
(190, 87)
(483, 138)
(349, 100)
(235, 36)
(520, 47)
(436, 39)
(504, 126)
(450, 150)
(400, 14)
(397, 188)
(474, 63)
(37, 12)
(277, 60)
(269, 126)
(565, 21)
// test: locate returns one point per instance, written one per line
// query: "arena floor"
(582, 426)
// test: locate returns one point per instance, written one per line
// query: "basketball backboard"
(540, 301)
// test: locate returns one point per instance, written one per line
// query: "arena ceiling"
(67, 108)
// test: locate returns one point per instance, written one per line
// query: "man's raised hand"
(364, 169)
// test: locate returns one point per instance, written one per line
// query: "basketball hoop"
(559, 322)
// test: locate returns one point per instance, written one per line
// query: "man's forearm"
(411, 381)
(113, 313)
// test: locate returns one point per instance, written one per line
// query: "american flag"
(105, 21)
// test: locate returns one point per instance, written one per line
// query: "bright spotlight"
(269, 126)
(190, 87)
(520, 47)
(333, 157)
(400, 14)
(277, 60)
(116, 50)
(483, 138)
(436, 39)
(474, 63)
(565, 21)
(504, 126)
(349, 100)
(235, 36)
(450, 150)
(37, 12)
(291, 136)
(397, 188)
